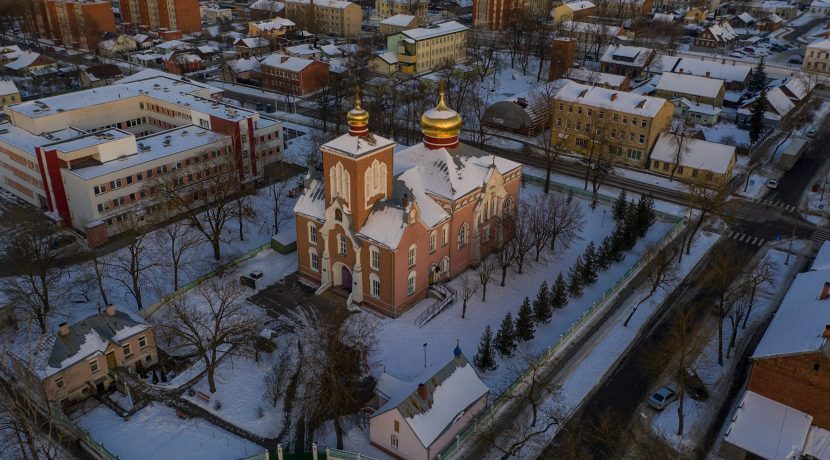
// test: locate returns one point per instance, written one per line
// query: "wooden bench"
(203, 396)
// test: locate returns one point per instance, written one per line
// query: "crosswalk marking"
(750, 239)
(773, 201)
(820, 235)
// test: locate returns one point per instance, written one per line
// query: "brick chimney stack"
(826, 333)
(825, 291)
(110, 310)
(64, 329)
(422, 391)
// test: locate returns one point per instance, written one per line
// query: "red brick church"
(380, 227)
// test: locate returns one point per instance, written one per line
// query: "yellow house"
(270, 29)
(9, 93)
(327, 17)
(695, 15)
(388, 8)
(608, 124)
(428, 48)
(693, 160)
(384, 64)
(574, 11)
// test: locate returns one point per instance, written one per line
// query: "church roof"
(357, 145)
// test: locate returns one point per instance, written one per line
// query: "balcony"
(406, 58)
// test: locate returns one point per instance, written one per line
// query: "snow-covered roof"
(822, 260)
(339, 4)
(399, 20)
(251, 42)
(245, 65)
(686, 65)
(722, 32)
(823, 44)
(579, 5)
(25, 59)
(774, 18)
(817, 444)
(746, 18)
(610, 99)
(767, 428)
(449, 392)
(206, 49)
(696, 107)
(305, 49)
(663, 17)
(172, 44)
(596, 78)
(10, 52)
(634, 56)
(389, 57)
(690, 84)
(274, 24)
(8, 87)
(820, 4)
(779, 101)
(425, 33)
(798, 325)
(284, 62)
(312, 201)
(268, 5)
(385, 225)
(355, 146)
(696, 154)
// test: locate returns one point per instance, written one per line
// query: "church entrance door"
(346, 278)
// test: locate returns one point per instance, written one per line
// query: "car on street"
(737, 54)
(772, 183)
(256, 274)
(662, 397)
(695, 387)
(812, 132)
(796, 59)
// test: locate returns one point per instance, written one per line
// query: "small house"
(693, 160)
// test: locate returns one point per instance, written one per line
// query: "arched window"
(445, 266)
(508, 206)
(410, 283)
(338, 215)
(432, 238)
(374, 282)
(374, 257)
(493, 201)
(411, 255)
(342, 244)
(394, 441)
(315, 259)
(445, 235)
(374, 180)
(340, 183)
(312, 233)
(462, 236)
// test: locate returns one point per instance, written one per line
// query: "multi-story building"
(293, 75)
(178, 15)
(610, 125)
(735, 76)
(699, 89)
(88, 156)
(77, 360)
(497, 14)
(388, 8)
(271, 29)
(326, 17)
(817, 56)
(562, 52)
(212, 13)
(381, 227)
(266, 9)
(428, 48)
(9, 94)
(397, 23)
(574, 11)
(75, 24)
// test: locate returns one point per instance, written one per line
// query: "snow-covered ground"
(698, 414)
(726, 133)
(157, 432)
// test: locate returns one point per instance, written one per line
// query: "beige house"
(270, 29)
(700, 89)
(417, 420)
(325, 17)
(397, 23)
(817, 56)
(574, 11)
(385, 63)
(426, 49)
(600, 123)
(693, 160)
(77, 361)
(388, 8)
(9, 93)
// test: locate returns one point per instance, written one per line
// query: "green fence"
(492, 410)
(152, 309)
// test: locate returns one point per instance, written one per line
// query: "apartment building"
(271, 29)
(293, 75)
(428, 48)
(604, 123)
(325, 17)
(574, 11)
(212, 13)
(387, 8)
(397, 23)
(75, 24)
(87, 156)
(817, 56)
(179, 15)
(497, 14)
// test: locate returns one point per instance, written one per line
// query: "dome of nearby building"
(357, 118)
(441, 122)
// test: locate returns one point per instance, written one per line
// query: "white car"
(737, 54)
(662, 397)
(772, 183)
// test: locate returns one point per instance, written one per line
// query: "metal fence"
(492, 410)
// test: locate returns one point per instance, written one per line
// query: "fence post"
(313, 451)
(279, 451)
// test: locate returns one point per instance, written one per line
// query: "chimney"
(110, 310)
(825, 291)
(826, 333)
(405, 200)
(422, 391)
(64, 329)
(613, 97)
(707, 74)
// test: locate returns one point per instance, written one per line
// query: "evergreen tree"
(759, 78)
(756, 118)
(605, 253)
(558, 293)
(484, 358)
(645, 214)
(524, 322)
(618, 210)
(589, 264)
(542, 305)
(575, 284)
(505, 343)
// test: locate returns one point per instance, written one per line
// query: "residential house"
(305, 51)
(695, 112)
(577, 10)
(397, 23)
(266, 9)
(9, 94)
(603, 80)
(31, 63)
(385, 9)
(743, 21)
(243, 70)
(9, 53)
(182, 62)
(770, 23)
(293, 75)
(77, 361)
(718, 35)
(782, 101)
(426, 49)
(630, 61)
(782, 8)
(213, 13)
(693, 160)
(622, 125)
(325, 17)
(817, 56)
(385, 63)
(417, 420)
(735, 76)
(252, 46)
(100, 75)
(271, 29)
(695, 15)
(700, 89)
(821, 7)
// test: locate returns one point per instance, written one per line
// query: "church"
(381, 226)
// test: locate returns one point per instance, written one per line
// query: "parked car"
(812, 132)
(749, 49)
(737, 54)
(260, 107)
(772, 183)
(256, 274)
(695, 387)
(796, 59)
(662, 397)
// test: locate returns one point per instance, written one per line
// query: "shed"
(518, 116)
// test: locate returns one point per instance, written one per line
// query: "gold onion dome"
(441, 122)
(357, 116)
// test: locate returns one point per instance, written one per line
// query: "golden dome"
(357, 116)
(441, 122)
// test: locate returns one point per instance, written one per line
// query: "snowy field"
(402, 353)
(698, 414)
(156, 432)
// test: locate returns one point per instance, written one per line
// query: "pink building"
(381, 228)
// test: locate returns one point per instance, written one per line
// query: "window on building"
(411, 255)
(312, 233)
(485, 233)
(338, 215)
(445, 235)
(410, 283)
(432, 238)
(315, 260)
(462, 236)
(634, 154)
(142, 342)
(60, 383)
(580, 142)
(375, 285)
(394, 441)
(93, 366)
(642, 138)
(127, 350)
(342, 245)
(397, 426)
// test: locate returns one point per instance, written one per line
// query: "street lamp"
(425, 355)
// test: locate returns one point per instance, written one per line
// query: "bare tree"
(179, 240)
(679, 137)
(36, 288)
(467, 287)
(485, 270)
(98, 272)
(278, 190)
(130, 265)
(683, 344)
(276, 379)
(566, 220)
(758, 273)
(722, 279)
(661, 273)
(737, 313)
(212, 321)
(505, 251)
(708, 202)
(523, 237)
(552, 143)
(540, 225)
